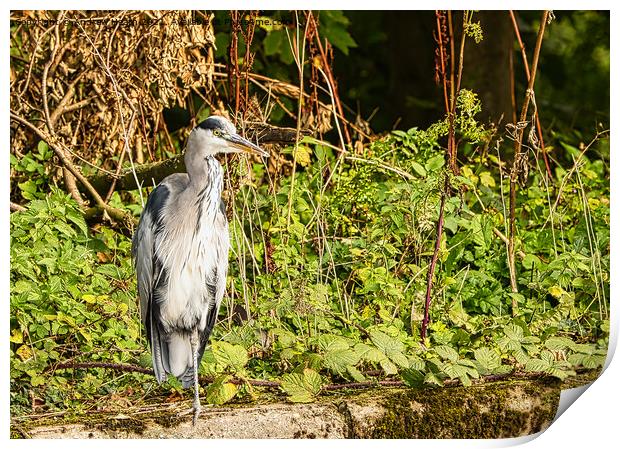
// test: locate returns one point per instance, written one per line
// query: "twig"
(519, 160)
(291, 91)
(527, 73)
(504, 239)
(118, 94)
(123, 367)
(32, 60)
(350, 323)
(513, 99)
(404, 174)
(51, 118)
(330, 76)
(17, 208)
(452, 52)
(452, 150)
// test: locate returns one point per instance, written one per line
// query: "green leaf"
(488, 358)
(35, 381)
(333, 27)
(43, 147)
(447, 353)
(339, 360)
(221, 390)
(559, 373)
(28, 189)
(388, 367)
(64, 228)
(109, 270)
(556, 291)
(418, 168)
(537, 365)
(513, 332)
(230, 356)
(302, 387)
(520, 356)
(400, 359)
(529, 261)
(355, 374)
(432, 379)
(586, 360)
(91, 299)
(273, 42)
(413, 377)
(486, 179)
(416, 363)
(16, 336)
(369, 353)
(24, 352)
(434, 163)
(385, 343)
(77, 219)
(558, 343)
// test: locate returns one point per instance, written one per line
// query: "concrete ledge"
(490, 410)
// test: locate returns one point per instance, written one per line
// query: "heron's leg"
(194, 341)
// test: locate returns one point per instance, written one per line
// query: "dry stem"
(518, 161)
(527, 73)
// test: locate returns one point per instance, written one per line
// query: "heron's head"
(218, 135)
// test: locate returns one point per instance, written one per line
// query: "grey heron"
(180, 253)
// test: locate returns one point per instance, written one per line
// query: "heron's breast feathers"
(195, 262)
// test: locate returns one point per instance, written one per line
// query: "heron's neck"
(206, 179)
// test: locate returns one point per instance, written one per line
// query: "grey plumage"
(180, 252)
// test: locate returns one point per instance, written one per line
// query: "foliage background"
(330, 249)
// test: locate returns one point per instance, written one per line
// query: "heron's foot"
(197, 409)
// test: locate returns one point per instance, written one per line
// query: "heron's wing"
(149, 271)
(143, 245)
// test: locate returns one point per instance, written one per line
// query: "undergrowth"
(331, 289)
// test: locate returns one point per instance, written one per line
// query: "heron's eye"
(217, 132)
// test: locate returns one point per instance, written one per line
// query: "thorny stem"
(527, 73)
(454, 92)
(248, 58)
(452, 53)
(442, 59)
(453, 167)
(519, 160)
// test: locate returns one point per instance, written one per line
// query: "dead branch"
(152, 174)
(527, 73)
(16, 207)
(60, 151)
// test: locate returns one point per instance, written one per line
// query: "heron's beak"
(246, 146)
